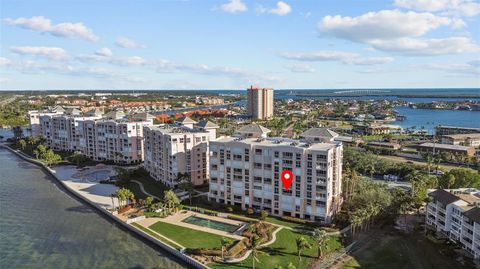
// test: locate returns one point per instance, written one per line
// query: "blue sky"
(230, 44)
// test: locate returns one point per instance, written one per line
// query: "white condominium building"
(34, 118)
(455, 213)
(260, 103)
(177, 152)
(112, 137)
(245, 171)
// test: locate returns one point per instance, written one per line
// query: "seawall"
(187, 260)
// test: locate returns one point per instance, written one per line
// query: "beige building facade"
(260, 103)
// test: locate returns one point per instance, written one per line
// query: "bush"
(240, 218)
(229, 209)
(237, 248)
(295, 220)
(250, 211)
(263, 215)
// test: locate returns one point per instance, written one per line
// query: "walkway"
(142, 189)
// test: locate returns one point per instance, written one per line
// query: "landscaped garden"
(187, 237)
(284, 251)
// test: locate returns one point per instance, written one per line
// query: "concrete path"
(142, 189)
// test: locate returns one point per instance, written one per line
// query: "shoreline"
(144, 237)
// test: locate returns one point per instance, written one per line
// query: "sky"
(232, 44)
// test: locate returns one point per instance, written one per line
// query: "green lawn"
(284, 223)
(148, 231)
(282, 252)
(152, 186)
(133, 187)
(187, 237)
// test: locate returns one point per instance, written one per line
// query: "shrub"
(240, 218)
(295, 220)
(229, 209)
(237, 248)
(263, 215)
(250, 211)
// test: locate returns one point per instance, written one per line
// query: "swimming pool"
(98, 175)
(213, 224)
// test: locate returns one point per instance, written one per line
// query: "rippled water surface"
(43, 227)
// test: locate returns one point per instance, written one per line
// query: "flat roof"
(444, 146)
(174, 129)
(463, 136)
(277, 142)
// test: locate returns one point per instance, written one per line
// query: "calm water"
(429, 118)
(43, 227)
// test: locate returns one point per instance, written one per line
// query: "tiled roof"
(319, 132)
(207, 124)
(254, 128)
(473, 214)
(444, 196)
(185, 120)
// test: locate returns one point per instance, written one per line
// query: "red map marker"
(287, 179)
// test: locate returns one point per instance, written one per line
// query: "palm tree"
(320, 237)
(224, 243)
(302, 244)
(429, 159)
(254, 246)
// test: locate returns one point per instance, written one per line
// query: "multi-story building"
(260, 103)
(455, 213)
(34, 118)
(452, 130)
(245, 171)
(176, 152)
(111, 138)
(471, 140)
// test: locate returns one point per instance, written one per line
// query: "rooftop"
(319, 132)
(174, 129)
(463, 136)
(254, 128)
(278, 142)
(444, 146)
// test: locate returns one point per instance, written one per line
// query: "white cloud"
(128, 43)
(104, 52)
(4, 61)
(464, 69)
(52, 53)
(301, 68)
(427, 46)
(385, 24)
(234, 6)
(64, 29)
(132, 60)
(340, 56)
(399, 32)
(372, 60)
(281, 9)
(467, 8)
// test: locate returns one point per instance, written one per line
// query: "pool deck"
(177, 218)
(98, 193)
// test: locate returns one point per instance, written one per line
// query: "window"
(258, 152)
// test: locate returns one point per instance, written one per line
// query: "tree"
(321, 238)
(22, 144)
(30, 140)
(51, 158)
(171, 200)
(224, 243)
(40, 151)
(77, 157)
(302, 244)
(17, 132)
(459, 178)
(188, 187)
(149, 201)
(254, 246)
(263, 215)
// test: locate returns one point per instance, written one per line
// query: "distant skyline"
(231, 44)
